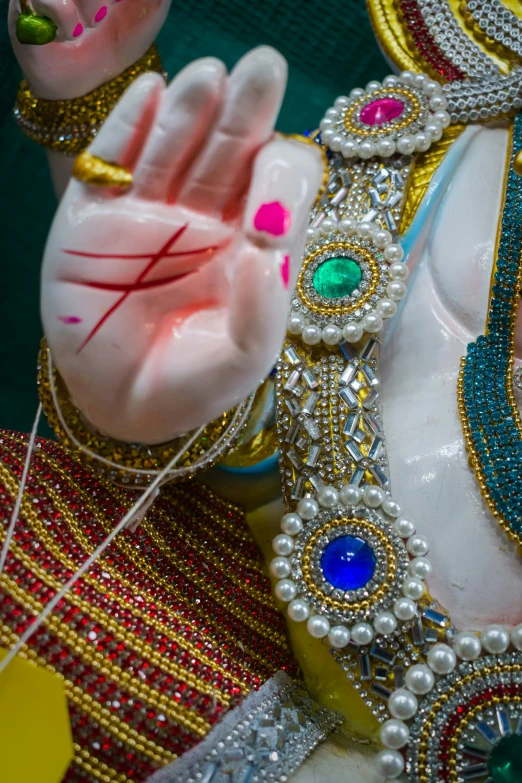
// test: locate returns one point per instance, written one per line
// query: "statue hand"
(66, 48)
(166, 305)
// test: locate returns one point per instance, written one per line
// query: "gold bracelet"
(133, 464)
(69, 126)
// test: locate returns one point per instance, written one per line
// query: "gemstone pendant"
(33, 29)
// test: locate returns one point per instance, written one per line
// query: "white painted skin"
(203, 154)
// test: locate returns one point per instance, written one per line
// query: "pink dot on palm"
(285, 271)
(274, 218)
(78, 30)
(70, 319)
(101, 14)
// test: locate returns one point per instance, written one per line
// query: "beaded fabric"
(171, 628)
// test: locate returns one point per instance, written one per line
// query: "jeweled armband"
(69, 126)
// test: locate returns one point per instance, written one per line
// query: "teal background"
(330, 49)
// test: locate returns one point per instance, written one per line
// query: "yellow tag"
(35, 734)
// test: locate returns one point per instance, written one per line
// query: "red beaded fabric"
(169, 630)
(425, 43)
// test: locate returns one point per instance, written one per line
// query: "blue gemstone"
(348, 563)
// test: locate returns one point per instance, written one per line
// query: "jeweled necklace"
(348, 564)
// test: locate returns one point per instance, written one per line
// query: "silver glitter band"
(265, 739)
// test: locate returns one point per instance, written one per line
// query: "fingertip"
(263, 66)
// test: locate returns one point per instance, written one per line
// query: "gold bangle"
(69, 126)
(132, 464)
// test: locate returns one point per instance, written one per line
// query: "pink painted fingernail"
(78, 30)
(101, 14)
(69, 319)
(285, 271)
(274, 218)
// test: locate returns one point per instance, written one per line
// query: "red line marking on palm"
(154, 259)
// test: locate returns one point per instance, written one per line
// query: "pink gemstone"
(381, 111)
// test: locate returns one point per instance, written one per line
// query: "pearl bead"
(467, 646)
(328, 497)
(420, 679)
(391, 507)
(403, 527)
(373, 85)
(413, 588)
(372, 322)
(422, 141)
(385, 623)
(362, 633)
(382, 238)
(420, 80)
(443, 118)
(326, 123)
(307, 508)
(434, 130)
(326, 227)
(367, 150)
(311, 334)
(373, 496)
(338, 637)
(405, 144)
(318, 626)
(332, 334)
(403, 704)
(310, 234)
(331, 113)
(353, 332)
(390, 81)
(389, 763)
(365, 230)
(385, 148)
(394, 253)
(408, 77)
(404, 609)
(292, 524)
(285, 590)
(417, 546)
(283, 545)
(495, 639)
(356, 93)
(349, 148)
(432, 88)
(442, 659)
(438, 103)
(396, 290)
(420, 567)
(386, 308)
(350, 495)
(280, 567)
(295, 323)
(327, 135)
(398, 271)
(298, 610)
(348, 226)
(394, 734)
(336, 142)
(341, 101)
(516, 637)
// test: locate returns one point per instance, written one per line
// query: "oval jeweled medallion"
(337, 277)
(348, 563)
(380, 111)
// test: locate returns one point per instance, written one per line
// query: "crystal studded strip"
(498, 23)
(266, 738)
(489, 413)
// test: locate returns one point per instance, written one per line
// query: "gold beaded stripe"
(467, 680)
(378, 594)
(338, 309)
(90, 707)
(176, 712)
(40, 118)
(239, 531)
(352, 127)
(31, 517)
(422, 173)
(394, 39)
(93, 766)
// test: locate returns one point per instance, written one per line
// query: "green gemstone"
(337, 277)
(505, 762)
(33, 29)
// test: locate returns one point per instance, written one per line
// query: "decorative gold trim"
(392, 37)
(95, 171)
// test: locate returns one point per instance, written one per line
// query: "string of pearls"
(386, 307)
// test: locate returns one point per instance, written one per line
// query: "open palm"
(166, 305)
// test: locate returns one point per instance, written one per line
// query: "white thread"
(21, 488)
(48, 608)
